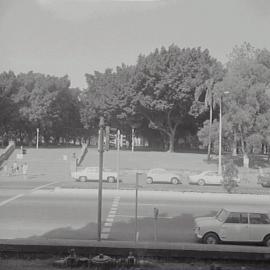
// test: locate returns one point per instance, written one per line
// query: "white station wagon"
(234, 225)
(92, 173)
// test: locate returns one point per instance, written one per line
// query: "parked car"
(264, 180)
(162, 175)
(92, 173)
(208, 178)
(234, 225)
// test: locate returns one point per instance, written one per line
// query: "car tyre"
(210, 239)
(111, 179)
(201, 182)
(82, 178)
(149, 180)
(175, 181)
(266, 241)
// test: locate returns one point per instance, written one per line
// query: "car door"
(212, 178)
(158, 175)
(259, 226)
(235, 228)
(92, 173)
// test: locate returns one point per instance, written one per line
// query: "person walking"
(24, 170)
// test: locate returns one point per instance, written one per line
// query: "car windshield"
(222, 215)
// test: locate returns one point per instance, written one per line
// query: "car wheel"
(211, 239)
(201, 182)
(149, 180)
(266, 241)
(175, 181)
(111, 179)
(83, 178)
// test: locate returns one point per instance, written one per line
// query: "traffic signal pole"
(118, 158)
(101, 150)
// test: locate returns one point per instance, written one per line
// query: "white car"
(162, 175)
(234, 225)
(206, 178)
(92, 173)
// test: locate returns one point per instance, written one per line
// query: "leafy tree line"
(245, 95)
(169, 96)
(32, 100)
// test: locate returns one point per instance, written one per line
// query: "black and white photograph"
(135, 134)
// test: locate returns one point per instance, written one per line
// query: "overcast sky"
(75, 37)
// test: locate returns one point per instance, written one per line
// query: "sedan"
(162, 175)
(264, 180)
(206, 178)
(92, 173)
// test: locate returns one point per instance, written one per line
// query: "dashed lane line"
(109, 221)
(23, 194)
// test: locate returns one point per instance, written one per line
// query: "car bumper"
(198, 234)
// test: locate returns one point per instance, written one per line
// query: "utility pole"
(37, 137)
(101, 150)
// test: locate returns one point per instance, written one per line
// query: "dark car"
(264, 180)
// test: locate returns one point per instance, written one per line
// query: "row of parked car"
(157, 175)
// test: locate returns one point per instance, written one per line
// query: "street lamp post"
(220, 133)
(220, 137)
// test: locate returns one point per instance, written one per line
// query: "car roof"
(244, 209)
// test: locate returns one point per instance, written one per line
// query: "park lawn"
(55, 164)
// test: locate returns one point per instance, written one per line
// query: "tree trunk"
(210, 133)
(245, 156)
(171, 141)
(234, 152)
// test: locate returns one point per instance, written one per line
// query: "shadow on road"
(175, 229)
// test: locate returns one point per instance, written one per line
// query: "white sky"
(75, 37)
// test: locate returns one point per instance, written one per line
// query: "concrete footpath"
(157, 250)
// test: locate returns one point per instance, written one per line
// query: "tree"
(247, 81)
(108, 94)
(210, 99)
(229, 174)
(8, 109)
(164, 86)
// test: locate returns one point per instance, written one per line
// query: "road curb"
(159, 250)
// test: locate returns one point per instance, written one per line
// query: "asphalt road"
(43, 210)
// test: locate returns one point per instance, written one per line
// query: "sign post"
(136, 207)
(156, 211)
(101, 150)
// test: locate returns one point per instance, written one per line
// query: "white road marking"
(104, 236)
(43, 186)
(106, 230)
(11, 199)
(109, 221)
(23, 194)
(129, 216)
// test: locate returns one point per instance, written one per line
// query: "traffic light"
(107, 138)
(110, 140)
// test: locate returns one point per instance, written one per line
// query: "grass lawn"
(55, 164)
